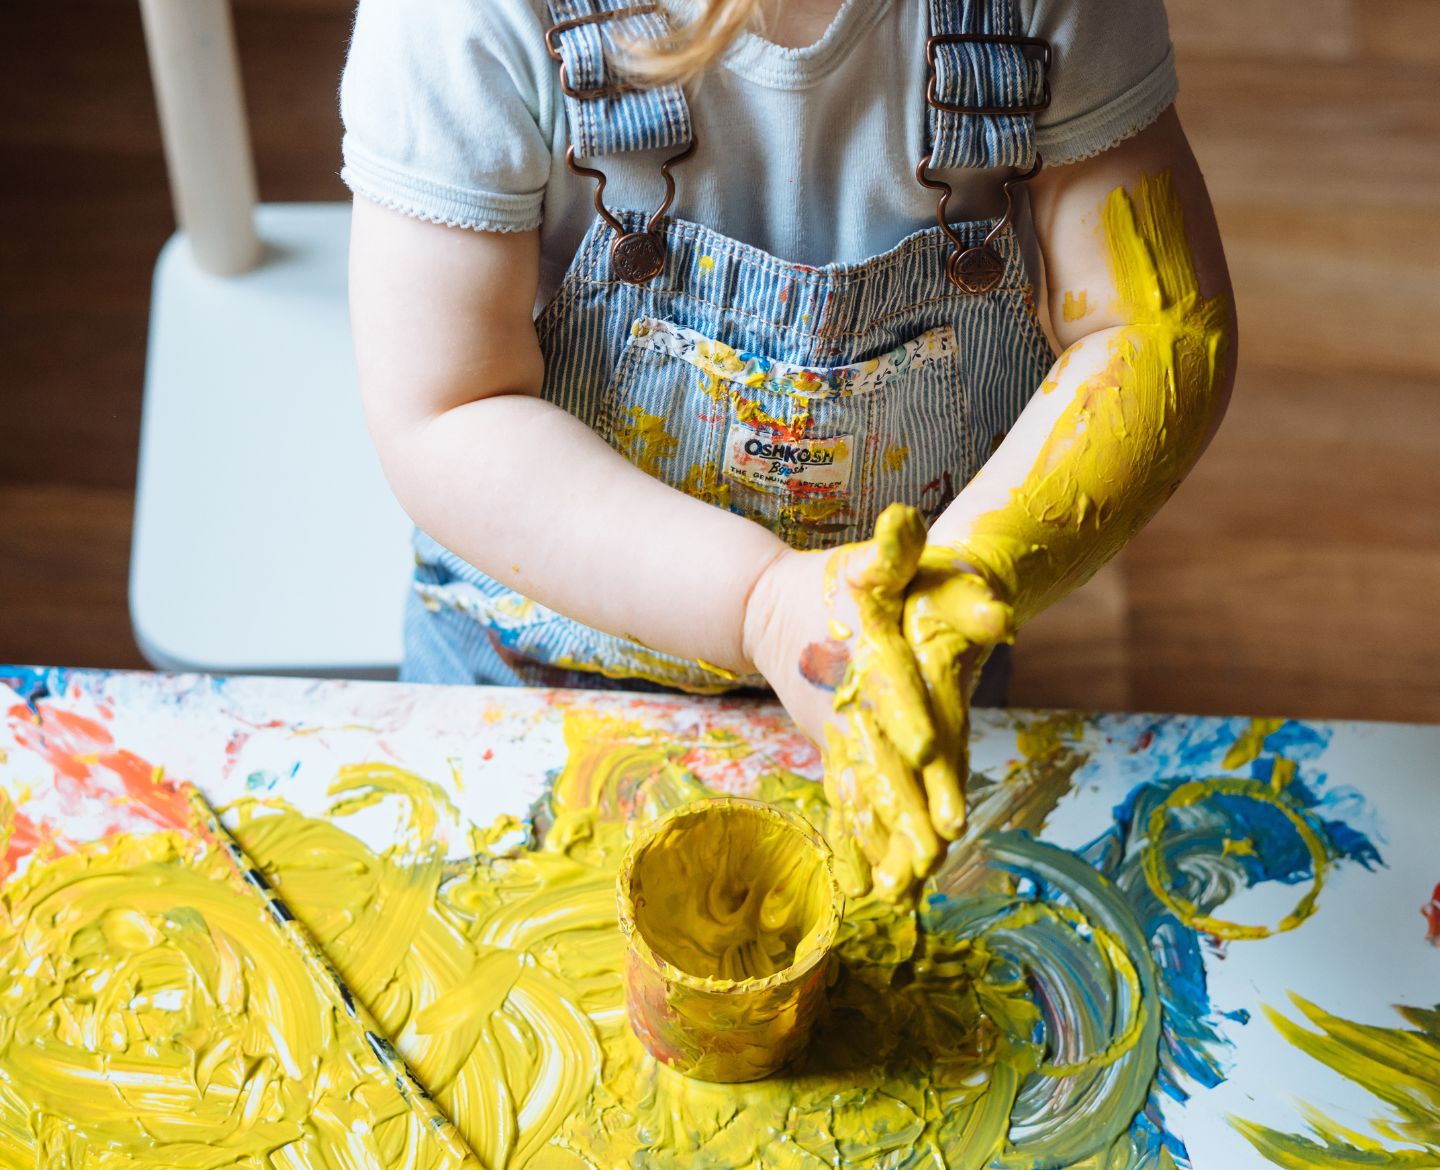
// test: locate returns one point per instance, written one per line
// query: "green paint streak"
(1399, 1066)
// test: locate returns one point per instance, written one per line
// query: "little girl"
(655, 302)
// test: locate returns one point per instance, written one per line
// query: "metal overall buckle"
(638, 257)
(552, 46)
(932, 99)
(978, 269)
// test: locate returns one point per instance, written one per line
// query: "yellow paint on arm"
(1132, 428)
(1076, 306)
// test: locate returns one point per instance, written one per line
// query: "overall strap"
(604, 113)
(986, 83)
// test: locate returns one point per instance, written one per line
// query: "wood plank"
(1285, 30)
(1296, 570)
(1076, 655)
(65, 553)
(1400, 30)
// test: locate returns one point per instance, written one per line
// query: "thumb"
(959, 604)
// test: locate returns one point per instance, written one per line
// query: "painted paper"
(1177, 941)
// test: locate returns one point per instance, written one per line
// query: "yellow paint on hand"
(1117, 452)
(871, 768)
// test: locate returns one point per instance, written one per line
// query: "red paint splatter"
(1431, 913)
(25, 838)
(489, 754)
(93, 779)
(823, 664)
(1145, 741)
(144, 783)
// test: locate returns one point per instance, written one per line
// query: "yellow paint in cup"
(730, 908)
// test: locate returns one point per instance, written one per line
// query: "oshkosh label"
(762, 459)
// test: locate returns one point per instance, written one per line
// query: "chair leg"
(202, 118)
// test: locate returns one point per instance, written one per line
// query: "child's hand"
(825, 630)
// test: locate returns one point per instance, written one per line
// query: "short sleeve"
(448, 112)
(1112, 73)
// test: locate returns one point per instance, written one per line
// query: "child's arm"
(1144, 307)
(450, 371)
(1140, 295)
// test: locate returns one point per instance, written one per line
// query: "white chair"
(266, 539)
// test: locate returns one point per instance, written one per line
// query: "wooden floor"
(1296, 572)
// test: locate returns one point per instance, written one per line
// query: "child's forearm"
(450, 370)
(531, 496)
(1109, 437)
(1125, 413)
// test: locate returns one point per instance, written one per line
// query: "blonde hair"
(693, 48)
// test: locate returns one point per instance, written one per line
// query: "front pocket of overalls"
(813, 453)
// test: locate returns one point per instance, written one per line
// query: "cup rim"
(635, 938)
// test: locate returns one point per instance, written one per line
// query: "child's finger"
(887, 678)
(965, 605)
(893, 792)
(862, 827)
(946, 774)
(893, 876)
(888, 683)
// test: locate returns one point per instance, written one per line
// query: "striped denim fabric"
(649, 119)
(806, 399)
(897, 385)
(982, 74)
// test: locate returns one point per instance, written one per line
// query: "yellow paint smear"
(1132, 431)
(1075, 306)
(645, 441)
(1162, 882)
(148, 1018)
(896, 456)
(152, 1017)
(1114, 456)
(1399, 1067)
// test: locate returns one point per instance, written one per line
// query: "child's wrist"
(760, 609)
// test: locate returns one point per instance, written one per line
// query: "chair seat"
(266, 539)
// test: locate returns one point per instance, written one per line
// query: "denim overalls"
(807, 399)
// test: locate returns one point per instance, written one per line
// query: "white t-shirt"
(453, 114)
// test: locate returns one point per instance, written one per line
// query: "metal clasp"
(932, 99)
(638, 257)
(552, 46)
(978, 269)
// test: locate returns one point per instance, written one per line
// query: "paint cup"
(730, 908)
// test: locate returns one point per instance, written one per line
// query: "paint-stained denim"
(915, 380)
